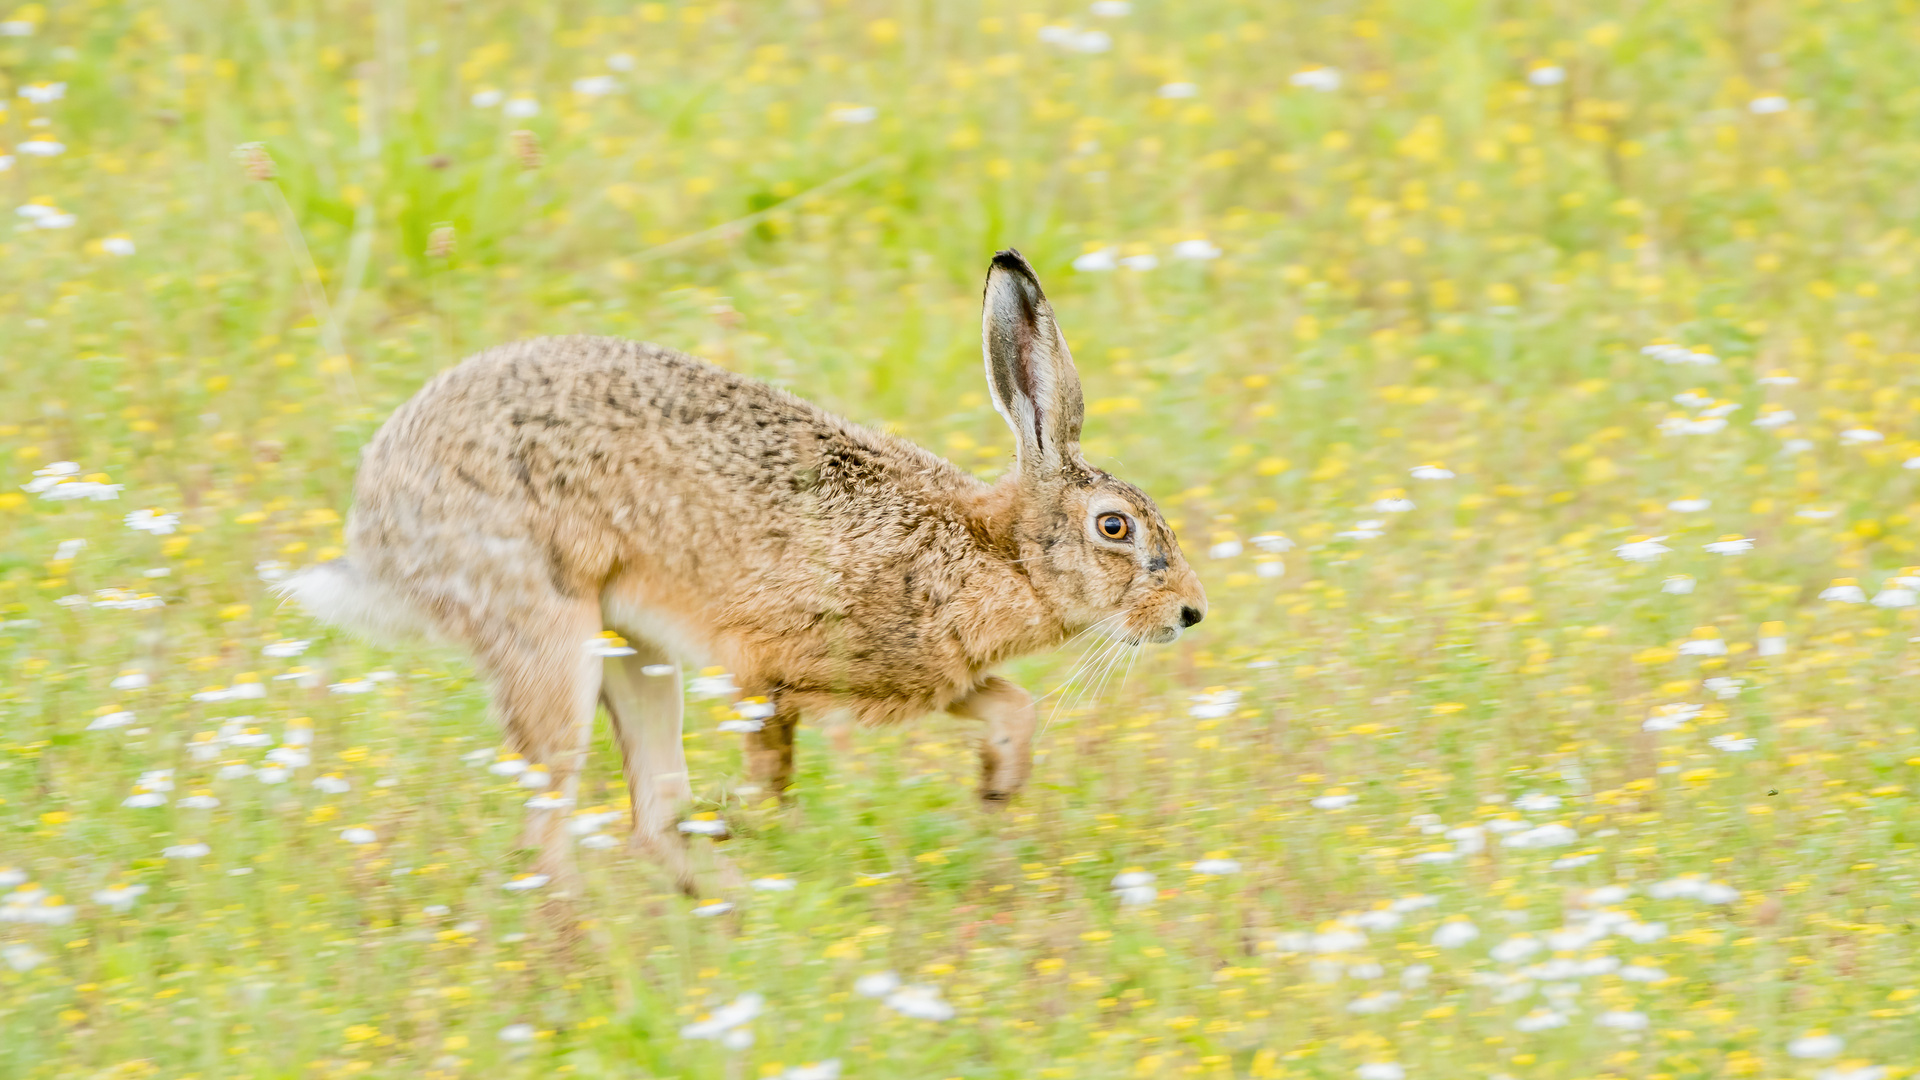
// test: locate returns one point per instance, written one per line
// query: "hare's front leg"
(1006, 746)
(545, 682)
(770, 750)
(646, 719)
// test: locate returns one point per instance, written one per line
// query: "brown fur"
(544, 489)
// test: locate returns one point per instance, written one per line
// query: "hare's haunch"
(543, 491)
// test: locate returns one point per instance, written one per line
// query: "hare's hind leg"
(646, 719)
(545, 683)
(1006, 747)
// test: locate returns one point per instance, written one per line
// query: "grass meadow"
(1536, 388)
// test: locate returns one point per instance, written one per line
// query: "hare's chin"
(1164, 635)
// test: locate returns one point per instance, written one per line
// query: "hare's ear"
(1028, 367)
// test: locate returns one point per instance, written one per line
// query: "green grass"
(1435, 262)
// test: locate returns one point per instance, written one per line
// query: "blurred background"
(1533, 388)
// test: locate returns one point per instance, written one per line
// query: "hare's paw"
(669, 852)
(993, 799)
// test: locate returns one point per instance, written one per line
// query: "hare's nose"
(1190, 616)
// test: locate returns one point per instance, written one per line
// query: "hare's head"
(1095, 546)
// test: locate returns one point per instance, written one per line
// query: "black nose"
(1190, 616)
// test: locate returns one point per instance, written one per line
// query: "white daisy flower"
(1542, 836)
(1817, 1044)
(1643, 550)
(735, 1014)
(1095, 262)
(1724, 687)
(20, 956)
(157, 522)
(119, 897)
(1844, 591)
(1515, 949)
(1324, 79)
(609, 644)
(1540, 1020)
(1669, 717)
(1377, 1002)
(920, 1003)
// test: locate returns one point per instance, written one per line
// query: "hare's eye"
(1115, 526)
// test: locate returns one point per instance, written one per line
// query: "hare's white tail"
(338, 593)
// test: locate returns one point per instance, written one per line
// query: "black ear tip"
(1011, 259)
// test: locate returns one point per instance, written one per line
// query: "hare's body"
(545, 490)
(723, 520)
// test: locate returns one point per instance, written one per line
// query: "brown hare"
(542, 492)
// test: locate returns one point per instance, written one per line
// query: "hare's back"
(607, 449)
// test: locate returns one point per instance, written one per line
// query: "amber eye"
(1115, 526)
